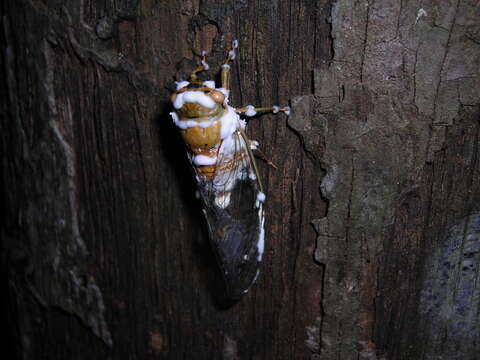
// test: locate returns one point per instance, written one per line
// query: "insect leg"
(225, 73)
(250, 110)
(265, 158)
(202, 67)
(254, 146)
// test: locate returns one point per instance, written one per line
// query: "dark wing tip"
(235, 244)
(237, 254)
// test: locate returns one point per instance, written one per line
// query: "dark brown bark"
(103, 244)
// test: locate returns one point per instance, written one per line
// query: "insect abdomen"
(198, 138)
(204, 142)
(208, 171)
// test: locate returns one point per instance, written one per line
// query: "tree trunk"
(104, 246)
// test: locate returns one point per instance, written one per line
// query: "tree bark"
(103, 243)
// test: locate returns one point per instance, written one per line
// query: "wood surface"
(373, 215)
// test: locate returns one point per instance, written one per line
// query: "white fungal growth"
(254, 144)
(232, 145)
(224, 91)
(229, 146)
(230, 123)
(276, 109)
(181, 84)
(204, 64)
(250, 111)
(210, 84)
(223, 200)
(193, 97)
(231, 53)
(261, 235)
(287, 110)
(174, 117)
(200, 160)
(242, 123)
(260, 199)
(252, 176)
(185, 124)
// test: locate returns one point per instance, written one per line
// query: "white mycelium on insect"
(276, 109)
(232, 145)
(260, 199)
(203, 62)
(250, 110)
(185, 124)
(223, 200)
(201, 160)
(231, 122)
(261, 235)
(174, 117)
(226, 93)
(254, 144)
(210, 84)
(231, 53)
(182, 84)
(193, 97)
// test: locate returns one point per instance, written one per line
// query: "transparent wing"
(234, 214)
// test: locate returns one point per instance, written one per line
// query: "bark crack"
(365, 41)
(447, 46)
(350, 200)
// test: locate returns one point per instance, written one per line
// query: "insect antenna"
(202, 67)
(225, 73)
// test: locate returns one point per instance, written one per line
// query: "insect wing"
(234, 215)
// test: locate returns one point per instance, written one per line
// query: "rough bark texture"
(394, 121)
(103, 244)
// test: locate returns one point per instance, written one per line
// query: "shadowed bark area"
(104, 247)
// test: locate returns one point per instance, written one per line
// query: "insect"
(227, 176)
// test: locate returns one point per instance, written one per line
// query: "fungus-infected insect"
(226, 173)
